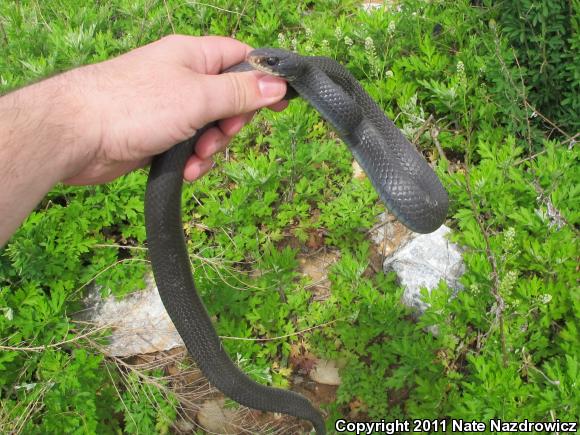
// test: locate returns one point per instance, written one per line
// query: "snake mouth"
(263, 63)
(269, 65)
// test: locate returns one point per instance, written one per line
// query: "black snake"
(405, 182)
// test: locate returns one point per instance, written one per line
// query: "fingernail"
(271, 86)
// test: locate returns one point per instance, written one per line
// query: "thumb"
(231, 94)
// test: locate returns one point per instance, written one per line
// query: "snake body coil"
(404, 180)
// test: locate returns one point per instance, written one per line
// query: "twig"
(379, 224)
(532, 157)
(49, 346)
(556, 382)
(423, 128)
(494, 269)
(32, 407)
(146, 8)
(114, 245)
(214, 7)
(434, 135)
(4, 35)
(434, 131)
(119, 394)
(236, 27)
(524, 97)
(125, 260)
(553, 419)
(281, 336)
(572, 141)
(537, 112)
(169, 16)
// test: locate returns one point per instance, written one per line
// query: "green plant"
(506, 346)
(146, 405)
(546, 41)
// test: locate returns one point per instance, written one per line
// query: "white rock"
(325, 372)
(214, 418)
(423, 262)
(139, 322)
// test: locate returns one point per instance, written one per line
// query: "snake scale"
(404, 180)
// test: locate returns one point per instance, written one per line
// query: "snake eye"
(272, 61)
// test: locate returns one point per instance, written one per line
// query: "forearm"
(37, 139)
(95, 123)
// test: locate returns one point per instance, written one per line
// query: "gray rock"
(139, 321)
(423, 262)
(141, 325)
(215, 418)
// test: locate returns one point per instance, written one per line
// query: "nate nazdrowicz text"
(453, 425)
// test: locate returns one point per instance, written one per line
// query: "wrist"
(74, 129)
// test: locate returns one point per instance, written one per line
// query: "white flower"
(461, 73)
(281, 40)
(508, 282)
(509, 236)
(369, 44)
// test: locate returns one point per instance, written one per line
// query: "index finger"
(207, 54)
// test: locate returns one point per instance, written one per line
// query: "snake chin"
(260, 65)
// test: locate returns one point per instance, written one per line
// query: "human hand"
(145, 101)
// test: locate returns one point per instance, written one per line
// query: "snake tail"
(173, 275)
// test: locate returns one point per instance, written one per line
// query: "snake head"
(277, 62)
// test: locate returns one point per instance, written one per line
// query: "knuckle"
(239, 97)
(170, 39)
